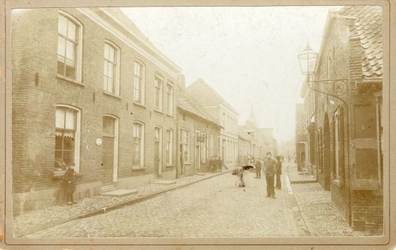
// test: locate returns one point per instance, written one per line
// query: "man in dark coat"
(269, 171)
(258, 169)
(69, 181)
(278, 172)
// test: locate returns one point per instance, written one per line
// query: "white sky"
(247, 54)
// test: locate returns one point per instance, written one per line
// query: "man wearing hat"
(269, 171)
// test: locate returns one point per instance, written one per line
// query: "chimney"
(181, 81)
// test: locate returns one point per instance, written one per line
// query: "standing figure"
(213, 164)
(220, 164)
(269, 171)
(258, 169)
(69, 181)
(239, 171)
(278, 171)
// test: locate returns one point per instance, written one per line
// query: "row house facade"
(223, 114)
(247, 147)
(89, 90)
(300, 137)
(198, 135)
(348, 144)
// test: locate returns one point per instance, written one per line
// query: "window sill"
(69, 80)
(58, 174)
(159, 111)
(138, 168)
(139, 104)
(170, 115)
(111, 94)
(169, 165)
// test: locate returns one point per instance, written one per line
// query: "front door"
(197, 152)
(108, 159)
(109, 149)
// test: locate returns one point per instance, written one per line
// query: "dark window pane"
(68, 143)
(61, 68)
(58, 142)
(70, 72)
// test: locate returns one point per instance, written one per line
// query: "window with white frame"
(69, 47)
(169, 146)
(185, 142)
(111, 69)
(67, 137)
(203, 147)
(212, 145)
(138, 144)
(139, 83)
(169, 95)
(158, 84)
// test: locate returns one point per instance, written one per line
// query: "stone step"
(120, 192)
(165, 182)
(108, 188)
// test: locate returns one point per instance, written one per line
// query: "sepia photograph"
(197, 125)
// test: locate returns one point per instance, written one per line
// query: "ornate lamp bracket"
(339, 88)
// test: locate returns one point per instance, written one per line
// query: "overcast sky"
(247, 54)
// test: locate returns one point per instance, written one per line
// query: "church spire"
(252, 118)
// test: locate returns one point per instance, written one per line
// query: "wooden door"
(108, 159)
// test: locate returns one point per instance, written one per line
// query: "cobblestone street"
(212, 208)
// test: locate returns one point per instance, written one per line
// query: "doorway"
(110, 149)
(326, 153)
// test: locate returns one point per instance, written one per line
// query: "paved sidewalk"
(41, 219)
(298, 177)
(319, 213)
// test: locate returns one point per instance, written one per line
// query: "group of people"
(216, 164)
(272, 169)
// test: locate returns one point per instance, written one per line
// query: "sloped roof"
(188, 103)
(368, 26)
(243, 134)
(206, 95)
(124, 20)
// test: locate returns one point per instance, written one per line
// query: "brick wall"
(34, 52)
(194, 123)
(367, 210)
(362, 208)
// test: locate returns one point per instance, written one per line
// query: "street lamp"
(307, 60)
(338, 88)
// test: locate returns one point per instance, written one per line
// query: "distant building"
(246, 145)
(263, 140)
(89, 90)
(345, 136)
(198, 135)
(300, 137)
(224, 114)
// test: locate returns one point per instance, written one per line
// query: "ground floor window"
(169, 146)
(138, 144)
(67, 137)
(185, 142)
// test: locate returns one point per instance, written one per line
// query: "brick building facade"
(300, 137)
(88, 90)
(223, 114)
(348, 142)
(198, 135)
